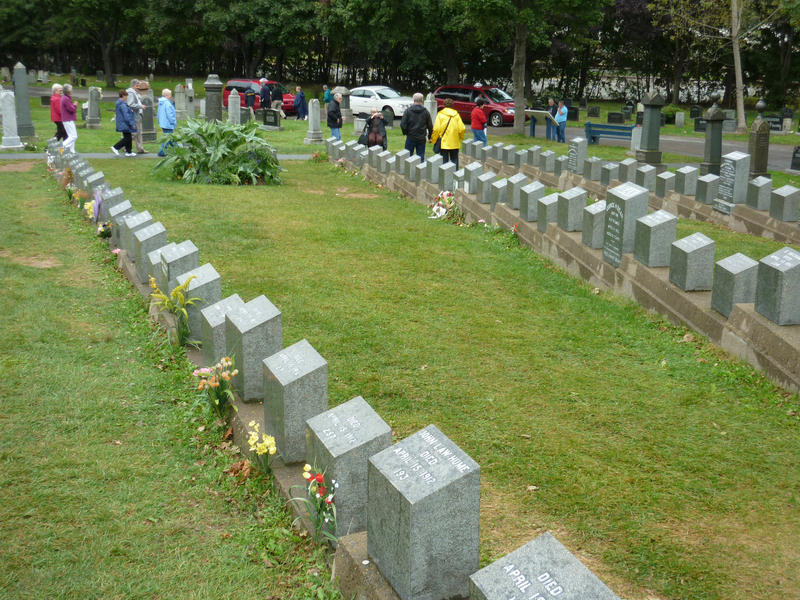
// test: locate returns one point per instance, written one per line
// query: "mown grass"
(670, 468)
(113, 483)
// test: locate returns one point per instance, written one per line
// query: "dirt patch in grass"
(39, 262)
(18, 166)
(315, 192)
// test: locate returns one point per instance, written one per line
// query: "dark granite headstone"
(616, 118)
(700, 124)
(572, 113)
(796, 159)
(695, 112)
(594, 111)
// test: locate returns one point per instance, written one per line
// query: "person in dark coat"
(417, 126)
(277, 100)
(266, 95)
(376, 130)
(300, 106)
(126, 124)
(335, 116)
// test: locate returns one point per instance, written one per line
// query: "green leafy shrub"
(669, 112)
(222, 153)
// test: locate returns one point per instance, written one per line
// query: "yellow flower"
(306, 475)
(307, 468)
(253, 424)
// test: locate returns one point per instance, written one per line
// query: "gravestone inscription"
(625, 204)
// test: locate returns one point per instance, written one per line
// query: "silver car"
(382, 97)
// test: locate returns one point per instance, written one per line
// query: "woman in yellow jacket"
(450, 128)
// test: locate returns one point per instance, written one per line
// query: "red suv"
(499, 108)
(241, 85)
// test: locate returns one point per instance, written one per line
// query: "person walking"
(300, 106)
(265, 94)
(561, 119)
(277, 99)
(449, 128)
(335, 117)
(327, 97)
(68, 111)
(126, 124)
(167, 118)
(478, 121)
(55, 110)
(549, 127)
(135, 102)
(417, 126)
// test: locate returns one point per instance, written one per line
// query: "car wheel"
(496, 119)
(389, 112)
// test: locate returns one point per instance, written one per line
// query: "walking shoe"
(130, 154)
(114, 150)
(142, 152)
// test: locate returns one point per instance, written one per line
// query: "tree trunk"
(518, 76)
(451, 62)
(736, 22)
(785, 47)
(105, 49)
(677, 78)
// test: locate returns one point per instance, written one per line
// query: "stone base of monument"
(357, 575)
(270, 128)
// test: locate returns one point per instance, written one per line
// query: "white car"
(363, 98)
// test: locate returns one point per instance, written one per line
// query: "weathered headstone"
(339, 443)
(578, 148)
(734, 283)
(546, 211)
(154, 264)
(178, 259)
(234, 104)
(784, 203)
(534, 152)
(496, 151)
(616, 118)
(594, 217)
(627, 170)
(145, 240)
(570, 209)
(758, 143)
(22, 102)
(758, 193)
(653, 239)
(625, 204)
(213, 99)
(515, 184)
(449, 176)
(206, 286)
(691, 263)
(295, 389)
(383, 157)
(314, 135)
(432, 168)
(93, 116)
(733, 174)
(252, 333)
(115, 214)
(609, 172)
(636, 138)
(508, 154)
(423, 513)
(592, 168)
(646, 177)
(520, 158)
(148, 119)
(498, 191)
(712, 152)
(649, 150)
(547, 160)
(8, 112)
(542, 568)
(410, 168)
(778, 287)
(180, 102)
(471, 173)
(529, 196)
(695, 111)
(431, 106)
(560, 165)
(213, 328)
(707, 188)
(686, 181)
(680, 119)
(130, 224)
(484, 185)
(665, 182)
(110, 198)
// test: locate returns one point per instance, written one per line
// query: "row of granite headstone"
(418, 499)
(621, 224)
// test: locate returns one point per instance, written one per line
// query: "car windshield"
(497, 95)
(386, 93)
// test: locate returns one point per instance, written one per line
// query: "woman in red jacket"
(55, 111)
(478, 123)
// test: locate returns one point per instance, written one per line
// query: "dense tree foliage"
(534, 47)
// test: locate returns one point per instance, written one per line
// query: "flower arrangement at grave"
(215, 383)
(444, 207)
(175, 303)
(319, 500)
(260, 448)
(215, 152)
(320, 156)
(104, 230)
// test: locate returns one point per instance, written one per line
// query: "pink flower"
(115, 251)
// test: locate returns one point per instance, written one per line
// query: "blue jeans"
(417, 148)
(479, 135)
(549, 133)
(562, 132)
(336, 132)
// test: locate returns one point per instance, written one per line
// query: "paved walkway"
(149, 155)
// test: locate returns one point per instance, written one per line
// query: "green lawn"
(669, 467)
(113, 483)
